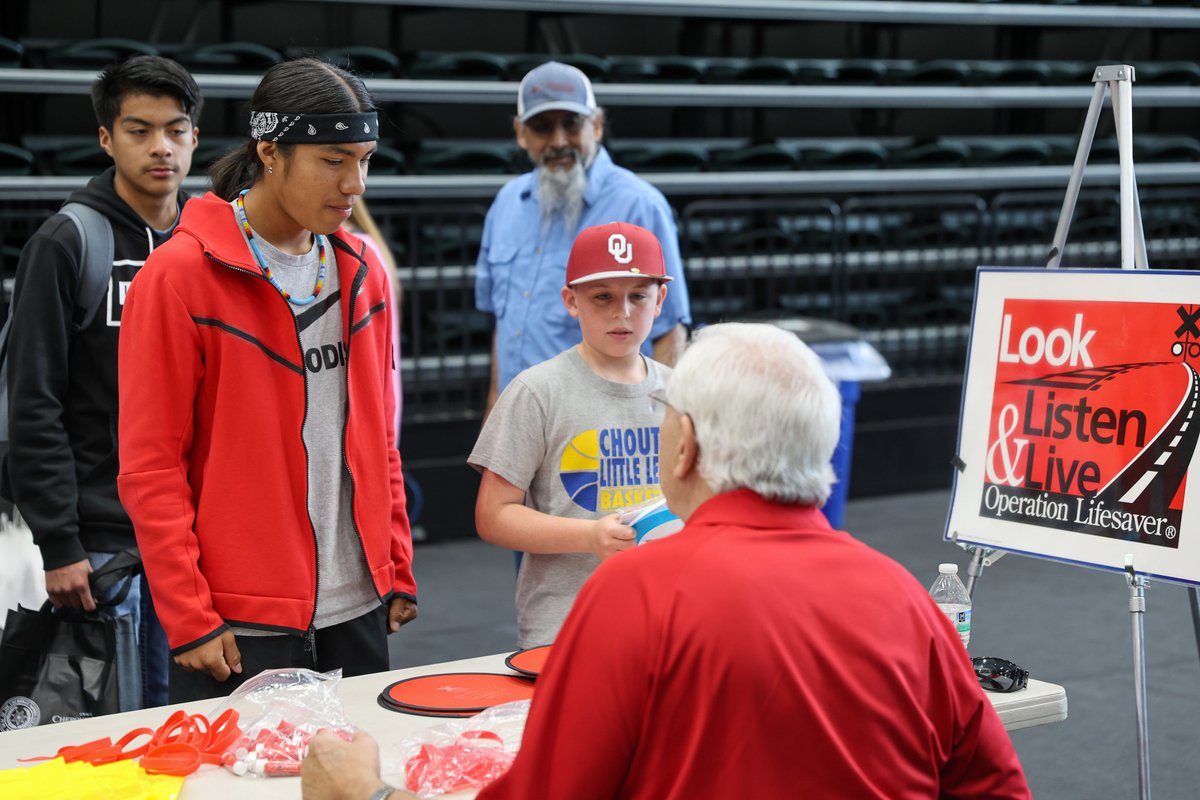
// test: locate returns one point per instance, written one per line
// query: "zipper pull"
(310, 644)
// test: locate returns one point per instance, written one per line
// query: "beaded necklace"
(262, 262)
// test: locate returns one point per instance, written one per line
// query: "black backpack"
(95, 270)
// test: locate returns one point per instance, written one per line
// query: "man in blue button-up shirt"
(533, 222)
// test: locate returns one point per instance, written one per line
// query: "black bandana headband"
(267, 126)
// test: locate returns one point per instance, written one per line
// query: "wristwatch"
(383, 792)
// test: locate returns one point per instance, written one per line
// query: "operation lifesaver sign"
(1080, 419)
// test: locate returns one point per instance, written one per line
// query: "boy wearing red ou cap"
(573, 440)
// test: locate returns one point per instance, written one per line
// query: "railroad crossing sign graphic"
(1081, 416)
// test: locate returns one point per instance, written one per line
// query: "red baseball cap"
(615, 250)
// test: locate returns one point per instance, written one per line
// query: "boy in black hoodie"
(62, 459)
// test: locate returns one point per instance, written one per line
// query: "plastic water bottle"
(952, 598)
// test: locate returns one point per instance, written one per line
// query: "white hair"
(767, 418)
(560, 191)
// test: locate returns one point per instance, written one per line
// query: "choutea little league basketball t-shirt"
(581, 447)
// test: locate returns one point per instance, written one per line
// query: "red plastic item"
(453, 767)
(178, 747)
(456, 693)
(174, 758)
(529, 661)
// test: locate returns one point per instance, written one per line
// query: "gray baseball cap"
(555, 87)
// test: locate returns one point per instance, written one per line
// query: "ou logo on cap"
(620, 248)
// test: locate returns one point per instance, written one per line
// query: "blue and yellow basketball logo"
(609, 469)
(580, 469)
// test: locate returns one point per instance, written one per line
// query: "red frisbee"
(529, 661)
(390, 706)
(456, 692)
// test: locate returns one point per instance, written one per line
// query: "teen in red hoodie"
(259, 464)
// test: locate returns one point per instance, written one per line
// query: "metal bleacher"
(881, 228)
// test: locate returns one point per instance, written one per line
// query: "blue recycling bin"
(848, 361)
(835, 506)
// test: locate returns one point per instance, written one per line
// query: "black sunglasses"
(999, 674)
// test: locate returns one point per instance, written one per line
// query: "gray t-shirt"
(345, 590)
(582, 447)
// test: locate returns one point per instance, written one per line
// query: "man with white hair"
(757, 652)
(535, 217)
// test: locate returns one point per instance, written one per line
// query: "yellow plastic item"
(57, 780)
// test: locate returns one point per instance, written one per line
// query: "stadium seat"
(210, 148)
(633, 69)
(1104, 151)
(472, 65)
(938, 232)
(1165, 148)
(86, 159)
(15, 160)
(595, 67)
(451, 328)
(1018, 72)
(45, 146)
(772, 239)
(719, 307)
(739, 234)
(844, 155)
(1023, 225)
(247, 58)
(804, 304)
(646, 69)
(96, 53)
(937, 311)
(861, 71)
(447, 243)
(473, 158)
(1001, 152)
(1103, 228)
(818, 71)
(765, 156)
(1064, 73)
(941, 72)
(865, 230)
(680, 69)
(939, 153)
(369, 62)
(11, 52)
(762, 71)
(1168, 72)
(388, 161)
(663, 156)
(813, 234)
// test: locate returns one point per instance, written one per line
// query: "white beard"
(560, 192)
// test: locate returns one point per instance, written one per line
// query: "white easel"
(1119, 78)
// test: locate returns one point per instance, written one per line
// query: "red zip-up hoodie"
(213, 467)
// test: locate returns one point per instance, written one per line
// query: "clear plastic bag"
(466, 753)
(280, 710)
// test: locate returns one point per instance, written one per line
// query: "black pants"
(357, 647)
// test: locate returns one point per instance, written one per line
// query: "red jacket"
(213, 468)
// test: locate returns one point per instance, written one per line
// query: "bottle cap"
(948, 569)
